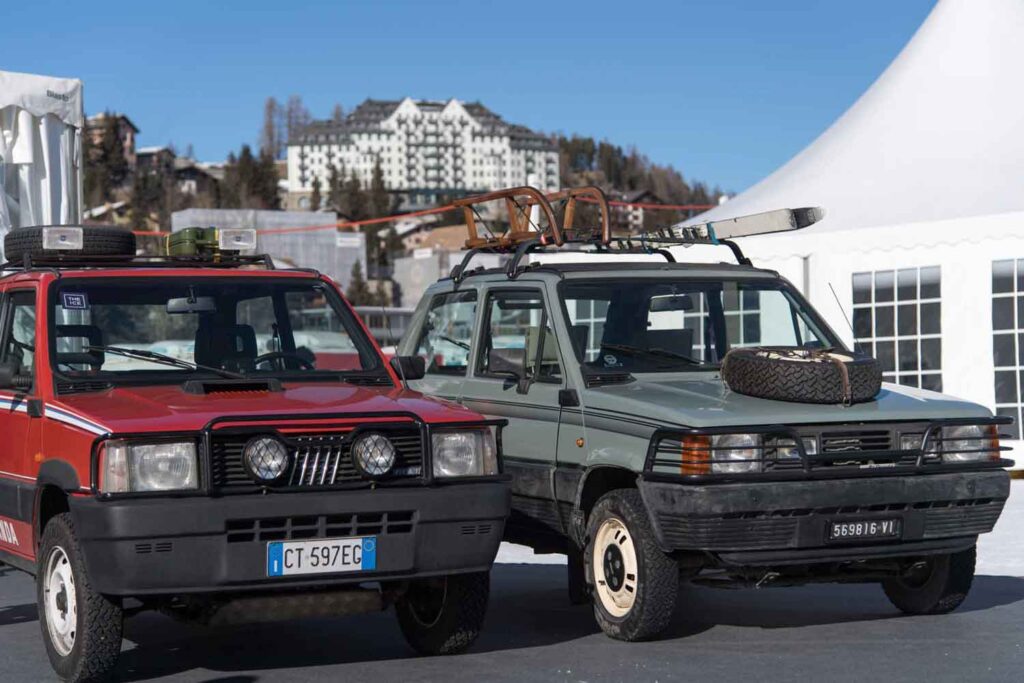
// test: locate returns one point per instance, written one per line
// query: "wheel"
(443, 616)
(96, 241)
(578, 592)
(802, 375)
(81, 628)
(935, 586)
(634, 583)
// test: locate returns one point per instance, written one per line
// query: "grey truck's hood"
(705, 401)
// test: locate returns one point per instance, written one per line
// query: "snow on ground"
(1000, 553)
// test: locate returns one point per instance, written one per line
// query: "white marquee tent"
(922, 182)
(41, 121)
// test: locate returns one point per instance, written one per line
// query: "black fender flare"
(577, 524)
(58, 473)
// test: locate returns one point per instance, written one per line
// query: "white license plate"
(322, 556)
(864, 529)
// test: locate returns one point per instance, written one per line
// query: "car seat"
(232, 347)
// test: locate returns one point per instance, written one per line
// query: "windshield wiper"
(451, 340)
(657, 352)
(162, 359)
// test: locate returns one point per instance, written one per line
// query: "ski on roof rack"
(525, 235)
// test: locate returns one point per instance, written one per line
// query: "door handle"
(34, 407)
(568, 398)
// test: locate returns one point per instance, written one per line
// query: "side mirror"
(6, 376)
(511, 362)
(10, 379)
(409, 367)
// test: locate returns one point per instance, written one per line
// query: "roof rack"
(521, 239)
(66, 260)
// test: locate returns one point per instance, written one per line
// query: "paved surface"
(831, 633)
(826, 633)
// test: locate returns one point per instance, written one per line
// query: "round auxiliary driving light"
(373, 454)
(266, 458)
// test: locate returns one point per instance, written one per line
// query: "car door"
(18, 424)
(517, 374)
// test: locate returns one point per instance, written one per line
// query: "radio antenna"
(842, 310)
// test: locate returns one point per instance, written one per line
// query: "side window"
(19, 341)
(446, 334)
(513, 336)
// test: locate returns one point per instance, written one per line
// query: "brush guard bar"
(688, 454)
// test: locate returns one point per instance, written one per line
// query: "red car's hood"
(169, 408)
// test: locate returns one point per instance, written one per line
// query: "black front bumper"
(154, 546)
(787, 522)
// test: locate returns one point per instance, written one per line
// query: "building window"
(897, 318)
(1008, 338)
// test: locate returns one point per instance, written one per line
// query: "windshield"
(163, 328)
(671, 325)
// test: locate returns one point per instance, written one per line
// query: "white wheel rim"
(59, 601)
(615, 567)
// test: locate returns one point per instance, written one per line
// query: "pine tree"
(358, 292)
(353, 199)
(250, 182)
(379, 200)
(314, 198)
(380, 296)
(113, 152)
(334, 189)
(265, 189)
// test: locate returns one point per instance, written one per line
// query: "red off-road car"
(215, 438)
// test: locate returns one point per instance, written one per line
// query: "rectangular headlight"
(127, 467)
(464, 453)
(736, 453)
(970, 443)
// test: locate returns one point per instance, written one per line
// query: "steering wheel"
(281, 356)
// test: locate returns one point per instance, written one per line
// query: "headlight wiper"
(162, 359)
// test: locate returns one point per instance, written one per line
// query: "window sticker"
(74, 301)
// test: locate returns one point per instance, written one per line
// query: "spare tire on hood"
(802, 375)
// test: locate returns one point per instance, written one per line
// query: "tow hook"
(766, 578)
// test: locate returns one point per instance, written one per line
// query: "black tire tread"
(658, 583)
(97, 241)
(101, 620)
(943, 593)
(748, 372)
(460, 624)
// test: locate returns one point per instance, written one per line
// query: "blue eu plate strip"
(369, 553)
(275, 559)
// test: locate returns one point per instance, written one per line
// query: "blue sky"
(725, 90)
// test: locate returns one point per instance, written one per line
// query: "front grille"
(843, 442)
(830, 448)
(317, 460)
(320, 526)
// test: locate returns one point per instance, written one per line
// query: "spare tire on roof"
(802, 375)
(97, 241)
